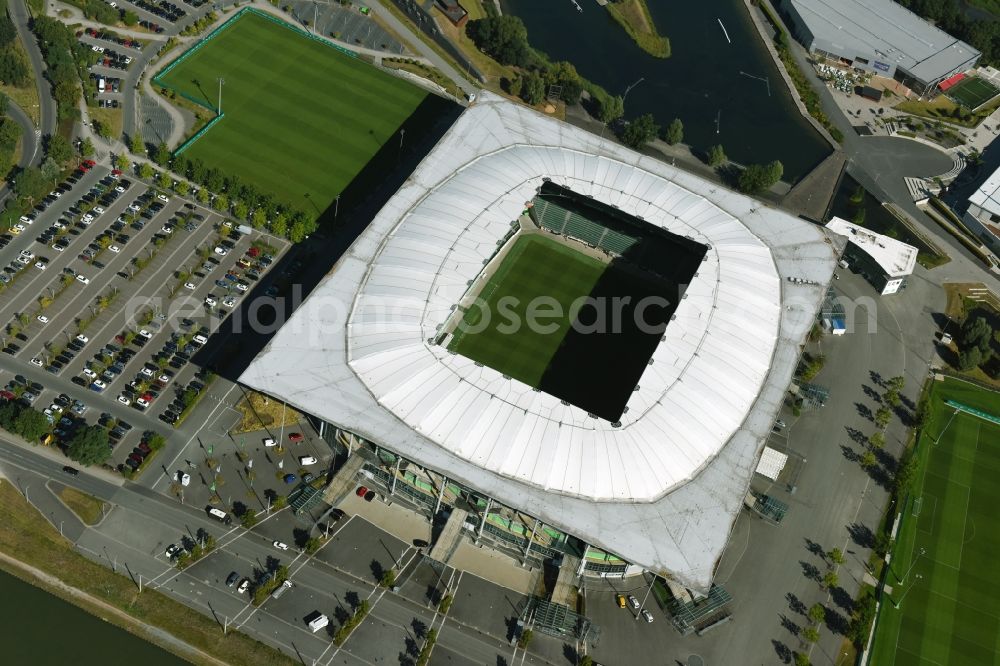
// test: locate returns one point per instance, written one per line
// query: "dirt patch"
(260, 412)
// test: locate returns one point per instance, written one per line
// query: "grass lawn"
(257, 407)
(27, 536)
(535, 267)
(301, 118)
(87, 507)
(973, 92)
(951, 610)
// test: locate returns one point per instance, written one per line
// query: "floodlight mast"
(219, 107)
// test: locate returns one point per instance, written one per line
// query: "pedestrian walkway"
(394, 519)
(495, 567)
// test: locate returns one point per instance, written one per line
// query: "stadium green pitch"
(950, 613)
(535, 267)
(302, 119)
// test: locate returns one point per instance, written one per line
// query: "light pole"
(336, 207)
(642, 606)
(923, 551)
(222, 82)
(896, 604)
(627, 91)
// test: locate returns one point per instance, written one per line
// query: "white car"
(184, 478)
(26, 220)
(269, 442)
(307, 460)
(163, 197)
(124, 400)
(97, 211)
(18, 228)
(221, 251)
(81, 278)
(28, 254)
(633, 602)
(646, 615)
(114, 248)
(87, 219)
(164, 378)
(24, 261)
(99, 384)
(120, 190)
(280, 545)
(83, 338)
(244, 586)
(41, 265)
(228, 224)
(134, 207)
(167, 229)
(128, 60)
(141, 403)
(210, 302)
(43, 319)
(36, 361)
(229, 301)
(146, 372)
(241, 287)
(146, 334)
(189, 285)
(90, 373)
(97, 49)
(57, 248)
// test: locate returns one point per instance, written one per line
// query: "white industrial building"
(879, 36)
(661, 489)
(983, 215)
(883, 261)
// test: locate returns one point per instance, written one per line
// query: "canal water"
(40, 628)
(724, 91)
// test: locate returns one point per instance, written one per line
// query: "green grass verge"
(536, 267)
(634, 17)
(301, 118)
(87, 507)
(25, 535)
(950, 613)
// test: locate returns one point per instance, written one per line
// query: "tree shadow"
(352, 599)
(300, 537)
(795, 604)
(412, 647)
(816, 549)
(792, 628)
(842, 599)
(861, 535)
(856, 435)
(377, 570)
(783, 651)
(849, 453)
(905, 415)
(810, 571)
(872, 393)
(419, 628)
(864, 411)
(887, 460)
(342, 614)
(876, 378)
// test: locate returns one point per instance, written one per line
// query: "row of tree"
(14, 68)
(88, 446)
(975, 343)
(66, 62)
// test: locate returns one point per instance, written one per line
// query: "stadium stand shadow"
(242, 336)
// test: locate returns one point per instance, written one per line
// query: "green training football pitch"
(535, 267)
(301, 118)
(950, 613)
(973, 92)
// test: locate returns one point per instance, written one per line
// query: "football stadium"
(550, 344)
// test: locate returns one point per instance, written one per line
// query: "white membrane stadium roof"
(662, 490)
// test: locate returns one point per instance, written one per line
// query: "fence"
(209, 125)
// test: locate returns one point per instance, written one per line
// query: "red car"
(361, 491)
(295, 437)
(90, 163)
(84, 167)
(116, 172)
(7, 395)
(253, 252)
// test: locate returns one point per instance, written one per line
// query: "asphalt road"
(19, 15)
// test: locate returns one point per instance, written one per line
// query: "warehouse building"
(879, 36)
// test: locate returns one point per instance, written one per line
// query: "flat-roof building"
(983, 215)
(883, 261)
(879, 36)
(658, 489)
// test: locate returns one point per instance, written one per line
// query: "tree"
(564, 75)
(182, 188)
(830, 579)
(122, 162)
(30, 184)
(533, 88)
(868, 460)
(759, 177)
(89, 445)
(60, 149)
(896, 383)
(249, 518)
(241, 210)
(969, 359)
(31, 424)
(49, 169)
(162, 154)
(297, 233)
(836, 556)
(145, 171)
(136, 145)
(611, 108)
(877, 440)
(503, 38)
(87, 147)
(641, 130)
(586, 660)
(130, 18)
(810, 634)
(905, 471)
(674, 132)
(164, 180)
(102, 129)
(891, 397)
(859, 217)
(258, 219)
(279, 227)
(222, 203)
(817, 613)
(204, 195)
(883, 416)
(716, 155)
(802, 659)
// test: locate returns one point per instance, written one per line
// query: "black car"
(232, 578)
(72, 471)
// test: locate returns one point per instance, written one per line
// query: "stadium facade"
(879, 36)
(660, 488)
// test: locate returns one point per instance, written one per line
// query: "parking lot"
(110, 287)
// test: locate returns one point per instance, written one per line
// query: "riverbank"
(25, 536)
(634, 17)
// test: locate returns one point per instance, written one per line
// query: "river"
(706, 79)
(41, 628)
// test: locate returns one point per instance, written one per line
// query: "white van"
(101, 85)
(220, 515)
(318, 623)
(200, 339)
(307, 460)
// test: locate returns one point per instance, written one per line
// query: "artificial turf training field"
(534, 267)
(973, 92)
(951, 610)
(301, 118)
